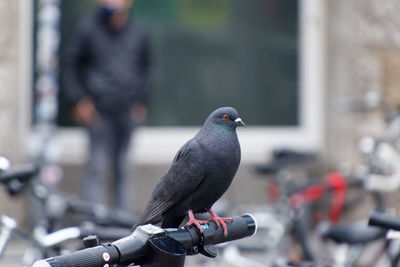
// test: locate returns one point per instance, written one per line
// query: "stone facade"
(9, 43)
(14, 100)
(363, 38)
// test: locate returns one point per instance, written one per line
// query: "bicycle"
(391, 224)
(291, 213)
(50, 241)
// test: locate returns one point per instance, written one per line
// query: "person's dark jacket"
(110, 66)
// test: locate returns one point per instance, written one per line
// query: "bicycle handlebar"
(384, 221)
(22, 172)
(16, 178)
(149, 243)
(100, 213)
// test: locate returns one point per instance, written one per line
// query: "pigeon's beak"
(239, 122)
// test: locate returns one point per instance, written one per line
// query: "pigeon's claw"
(194, 221)
(219, 221)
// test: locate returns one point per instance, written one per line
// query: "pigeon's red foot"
(219, 221)
(194, 221)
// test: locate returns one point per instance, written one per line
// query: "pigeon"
(199, 175)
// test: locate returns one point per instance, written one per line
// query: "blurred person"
(105, 75)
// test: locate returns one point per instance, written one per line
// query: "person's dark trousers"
(109, 138)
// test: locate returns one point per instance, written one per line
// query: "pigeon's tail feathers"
(152, 214)
(154, 211)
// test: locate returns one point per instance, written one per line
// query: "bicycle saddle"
(354, 233)
(284, 158)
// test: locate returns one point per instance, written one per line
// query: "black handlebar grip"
(239, 227)
(384, 221)
(97, 256)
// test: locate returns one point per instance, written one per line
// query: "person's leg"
(95, 182)
(123, 177)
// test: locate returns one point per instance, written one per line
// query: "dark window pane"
(211, 53)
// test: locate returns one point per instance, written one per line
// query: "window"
(211, 53)
(264, 57)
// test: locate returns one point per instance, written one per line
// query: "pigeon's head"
(226, 116)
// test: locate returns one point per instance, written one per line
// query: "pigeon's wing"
(182, 178)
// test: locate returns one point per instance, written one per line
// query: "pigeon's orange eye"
(225, 117)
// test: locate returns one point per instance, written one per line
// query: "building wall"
(15, 72)
(363, 41)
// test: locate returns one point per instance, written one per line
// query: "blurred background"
(285, 65)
